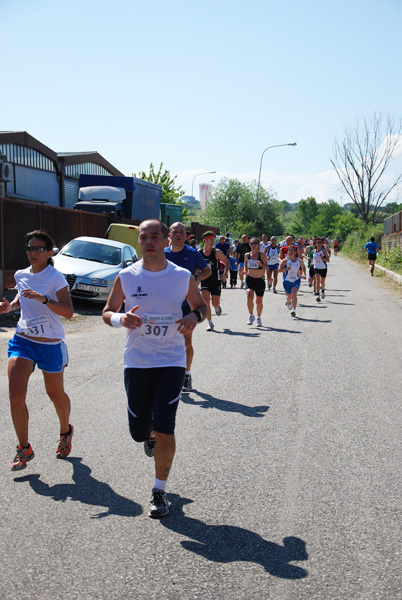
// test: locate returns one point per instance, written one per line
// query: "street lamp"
(262, 156)
(198, 174)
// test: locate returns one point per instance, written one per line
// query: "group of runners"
(165, 296)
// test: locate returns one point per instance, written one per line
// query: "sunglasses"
(35, 248)
(253, 243)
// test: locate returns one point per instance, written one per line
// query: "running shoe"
(323, 294)
(149, 447)
(310, 285)
(210, 326)
(289, 305)
(187, 385)
(158, 505)
(250, 320)
(242, 285)
(293, 313)
(274, 290)
(64, 446)
(259, 323)
(269, 285)
(218, 310)
(318, 299)
(23, 456)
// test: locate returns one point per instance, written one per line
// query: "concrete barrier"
(390, 274)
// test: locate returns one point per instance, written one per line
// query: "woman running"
(43, 297)
(320, 259)
(293, 271)
(255, 265)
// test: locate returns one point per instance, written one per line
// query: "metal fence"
(18, 218)
(393, 224)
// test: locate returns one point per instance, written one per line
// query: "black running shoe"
(158, 505)
(187, 385)
(149, 447)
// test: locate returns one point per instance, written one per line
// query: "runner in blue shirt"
(187, 257)
(371, 248)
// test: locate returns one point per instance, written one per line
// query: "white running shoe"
(218, 310)
(242, 285)
(293, 313)
(250, 320)
(289, 305)
(323, 294)
(210, 326)
(259, 323)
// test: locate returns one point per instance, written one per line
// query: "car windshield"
(108, 255)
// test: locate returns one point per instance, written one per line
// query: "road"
(287, 478)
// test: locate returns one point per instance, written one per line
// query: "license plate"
(87, 288)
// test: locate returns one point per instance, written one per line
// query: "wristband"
(115, 319)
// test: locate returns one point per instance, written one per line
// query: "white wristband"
(115, 320)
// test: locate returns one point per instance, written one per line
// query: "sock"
(160, 484)
(188, 372)
(68, 432)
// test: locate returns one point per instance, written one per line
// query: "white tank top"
(159, 295)
(293, 274)
(318, 260)
(273, 255)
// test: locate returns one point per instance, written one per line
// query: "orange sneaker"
(64, 445)
(23, 456)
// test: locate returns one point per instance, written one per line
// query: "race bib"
(157, 327)
(292, 275)
(253, 264)
(37, 326)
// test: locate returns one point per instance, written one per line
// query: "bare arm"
(63, 306)
(114, 304)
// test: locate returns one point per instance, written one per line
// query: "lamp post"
(259, 175)
(198, 174)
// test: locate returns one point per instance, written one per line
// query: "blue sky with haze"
(202, 86)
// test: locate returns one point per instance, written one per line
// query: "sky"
(202, 86)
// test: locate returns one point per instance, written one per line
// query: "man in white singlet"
(153, 291)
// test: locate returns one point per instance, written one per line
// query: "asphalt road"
(287, 478)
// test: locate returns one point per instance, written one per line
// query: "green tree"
(171, 192)
(321, 225)
(233, 208)
(343, 224)
(307, 211)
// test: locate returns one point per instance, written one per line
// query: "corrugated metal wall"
(393, 224)
(70, 192)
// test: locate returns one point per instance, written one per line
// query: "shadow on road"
(85, 489)
(209, 401)
(229, 543)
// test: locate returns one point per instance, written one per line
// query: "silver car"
(91, 265)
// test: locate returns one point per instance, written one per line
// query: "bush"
(355, 242)
(392, 259)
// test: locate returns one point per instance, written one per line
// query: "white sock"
(160, 484)
(188, 372)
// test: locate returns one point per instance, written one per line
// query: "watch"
(199, 315)
(47, 299)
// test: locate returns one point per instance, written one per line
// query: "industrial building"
(38, 174)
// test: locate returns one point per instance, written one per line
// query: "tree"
(343, 224)
(171, 192)
(321, 225)
(362, 159)
(307, 211)
(233, 208)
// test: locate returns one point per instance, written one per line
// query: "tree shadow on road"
(85, 489)
(229, 543)
(209, 401)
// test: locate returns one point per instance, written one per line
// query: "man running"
(371, 248)
(211, 287)
(272, 253)
(186, 257)
(153, 290)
